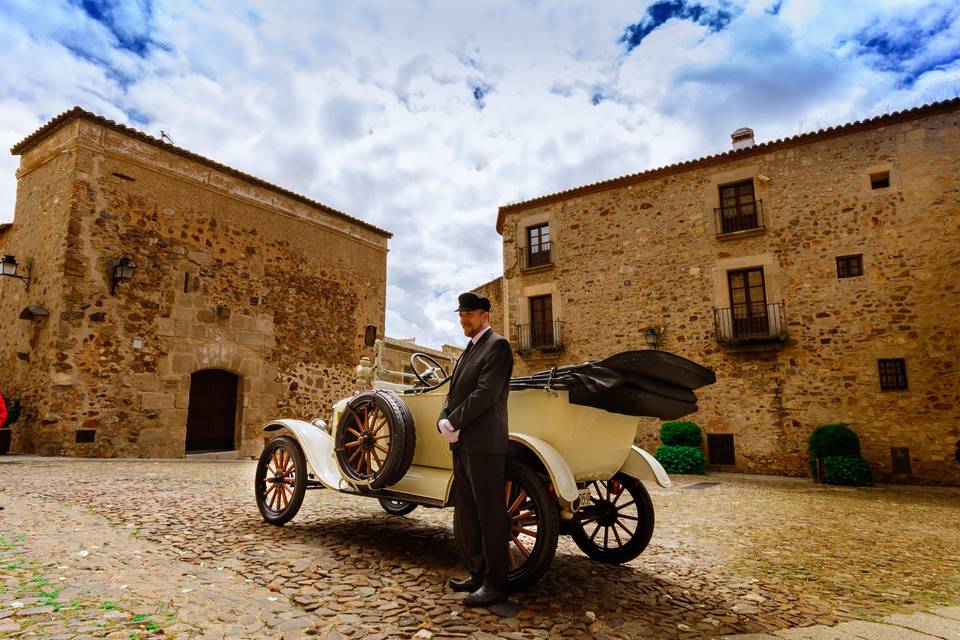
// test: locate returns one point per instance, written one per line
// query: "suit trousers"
(480, 514)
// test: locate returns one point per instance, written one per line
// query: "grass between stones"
(45, 599)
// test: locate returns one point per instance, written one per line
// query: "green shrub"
(13, 410)
(680, 459)
(847, 470)
(679, 433)
(833, 440)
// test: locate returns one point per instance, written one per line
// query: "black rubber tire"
(355, 448)
(397, 507)
(280, 504)
(520, 477)
(632, 520)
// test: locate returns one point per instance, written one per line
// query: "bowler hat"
(471, 302)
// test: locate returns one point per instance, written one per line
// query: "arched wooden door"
(213, 411)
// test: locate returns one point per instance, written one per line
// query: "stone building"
(819, 276)
(396, 354)
(244, 301)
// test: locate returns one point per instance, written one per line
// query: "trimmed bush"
(833, 440)
(679, 433)
(13, 410)
(680, 459)
(847, 470)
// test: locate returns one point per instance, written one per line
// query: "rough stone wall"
(37, 239)
(493, 290)
(228, 276)
(647, 254)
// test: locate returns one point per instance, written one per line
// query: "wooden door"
(213, 411)
(748, 303)
(541, 321)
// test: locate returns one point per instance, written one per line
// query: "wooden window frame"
(740, 215)
(718, 446)
(538, 253)
(850, 266)
(541, 331)
(892, 373)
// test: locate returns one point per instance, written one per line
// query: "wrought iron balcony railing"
(743, 217)
(746, 323)
(536, 255)
(546, 337)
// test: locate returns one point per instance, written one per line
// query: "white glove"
(449, 434)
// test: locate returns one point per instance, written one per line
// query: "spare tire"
(375, 439)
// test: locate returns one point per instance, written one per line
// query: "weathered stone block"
(157, 400)
(184, 363)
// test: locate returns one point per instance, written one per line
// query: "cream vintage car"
(573, 467)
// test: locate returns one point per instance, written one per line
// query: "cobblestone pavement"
(140, 549)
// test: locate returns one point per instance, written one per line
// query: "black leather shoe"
(467, 584)
(485, 596)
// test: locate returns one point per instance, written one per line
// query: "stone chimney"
(742, 138)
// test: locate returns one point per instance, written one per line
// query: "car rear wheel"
(281, 480)
(618, 524)
(534, 526)
(397, 507)
(375, 439)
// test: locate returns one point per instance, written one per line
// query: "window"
(84, 436)
(720, 448)
(541, 321)
(748, 303)
(738, 207)
(880, 180)
(538, 245)
(850, 266)
(893, 373)
(900, 457)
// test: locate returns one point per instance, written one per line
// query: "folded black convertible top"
(653, 383)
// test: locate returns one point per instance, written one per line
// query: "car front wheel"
(281, 480)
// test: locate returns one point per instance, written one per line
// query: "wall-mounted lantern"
(122, 270)
(652, 336)
(8, 267)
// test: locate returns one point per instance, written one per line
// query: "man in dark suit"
(474, 421)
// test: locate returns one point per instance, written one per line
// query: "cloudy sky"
(422, 117)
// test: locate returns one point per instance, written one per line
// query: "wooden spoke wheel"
(375, 439)
(397, 507)
(617, 524)
(533, 524)
(281, 480)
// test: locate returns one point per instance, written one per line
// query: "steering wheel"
(434, 376)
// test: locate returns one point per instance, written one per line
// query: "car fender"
(557, 467)
(643, 466)
(317, 447)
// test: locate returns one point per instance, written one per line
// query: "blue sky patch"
(129, 22)
(904, 49)
(660, 12)
(480, 91)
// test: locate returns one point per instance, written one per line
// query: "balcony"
(751, 324)
(534, 256)
(745, 216)
(543, 337)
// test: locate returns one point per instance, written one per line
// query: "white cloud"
(369, 106)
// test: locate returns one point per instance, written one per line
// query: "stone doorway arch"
(212, 412)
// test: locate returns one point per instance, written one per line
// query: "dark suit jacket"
(476, 404)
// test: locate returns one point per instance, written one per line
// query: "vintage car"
(573, 467)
